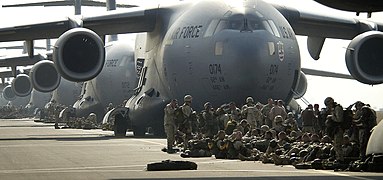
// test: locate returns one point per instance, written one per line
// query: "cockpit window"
(248, 23)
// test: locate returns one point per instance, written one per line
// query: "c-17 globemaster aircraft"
(217, 51)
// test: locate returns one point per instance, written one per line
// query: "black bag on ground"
(171, 165)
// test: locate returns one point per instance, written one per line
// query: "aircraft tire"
(121, 126)
(139, 132)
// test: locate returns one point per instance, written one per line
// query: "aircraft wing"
(325, 25)
(66, 3)
(24, 60)
(112, 22)
(315, 72)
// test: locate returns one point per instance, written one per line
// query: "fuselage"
(67, 92)
(114, 84)
(217, 52)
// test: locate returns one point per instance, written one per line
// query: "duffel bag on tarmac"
(303, 166)
(171, 165)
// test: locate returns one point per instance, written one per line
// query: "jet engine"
(364, 57)
(8, 93)
(21, 85)
(79, 55)
(44, 76)
(301, 88)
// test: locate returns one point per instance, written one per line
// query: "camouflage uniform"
(252, 114)
(266, 113)
(309, 119)
(337, 117)
(170, 124)
(365, 124)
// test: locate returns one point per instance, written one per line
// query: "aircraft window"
(218, 48)
(237, 24)
(211, 28)
(270, 26)
(232, 24)
(221, 25)
(267, 27)
(274, 27)
(254, 25)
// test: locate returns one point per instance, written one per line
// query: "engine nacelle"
(79, 55)
(364, 57)
(8, 93)
(22, 85)
(44, 76)
(301, 88)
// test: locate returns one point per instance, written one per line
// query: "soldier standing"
(278, 109)
(235, 112)
(252, 114)
(170, 124)
(266, 112)
(365, 124)
(209, 121)
(308, 119)
(336, 115)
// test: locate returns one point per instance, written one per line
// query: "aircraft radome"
(215, 50)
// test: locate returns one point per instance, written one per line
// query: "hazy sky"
(332, 57)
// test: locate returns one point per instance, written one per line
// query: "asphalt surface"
(30, 150)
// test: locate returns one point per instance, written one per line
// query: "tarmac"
(32, 150)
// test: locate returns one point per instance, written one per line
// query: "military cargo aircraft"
(214, 50)
(114, 84)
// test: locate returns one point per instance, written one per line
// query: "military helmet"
(249, 100)
(278, 118)
(265, 127)
(328, 100)
(188, 98)
(273, 143)
(207, 104)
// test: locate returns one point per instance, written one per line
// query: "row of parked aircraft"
(213, 49)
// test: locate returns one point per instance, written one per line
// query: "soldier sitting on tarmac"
(198, 147)
(220, 145)
(90, 122)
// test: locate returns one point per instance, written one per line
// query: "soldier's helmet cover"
(278, 119)
(188, 98)
(328, 101)
(206, 105)
(249, 100)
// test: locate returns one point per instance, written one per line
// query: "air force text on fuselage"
(192, 31)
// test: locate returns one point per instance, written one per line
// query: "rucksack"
(347, 119)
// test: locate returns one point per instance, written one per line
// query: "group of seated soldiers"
(282, 144)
